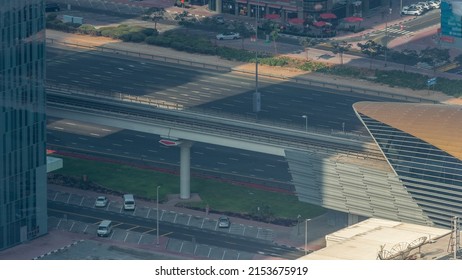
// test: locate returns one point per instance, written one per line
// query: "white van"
(104, 228)
(129, 202)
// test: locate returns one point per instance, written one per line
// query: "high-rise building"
(451, 24)
(23, 205)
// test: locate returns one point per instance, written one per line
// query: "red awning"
(296, 20)
(272, 16)
(319, 23)
(328, 16)
(288, 8)
(353, 19)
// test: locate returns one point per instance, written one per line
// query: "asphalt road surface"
(130, 222)
(145, 149)
(283, 102)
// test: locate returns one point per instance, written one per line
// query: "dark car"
(52, 7)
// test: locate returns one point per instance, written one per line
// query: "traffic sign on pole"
(169, 143)
(431, 82)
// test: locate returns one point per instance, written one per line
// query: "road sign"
(169, 143)
(431, 82)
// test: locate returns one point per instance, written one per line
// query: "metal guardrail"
(298, 80)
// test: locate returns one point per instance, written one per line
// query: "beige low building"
(369, 239)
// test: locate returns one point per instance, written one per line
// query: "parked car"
(219, 20)
(52, 7)
(129, 202)
(411, 11)
(418, 7)
(425, 6)
(104, 228)
(101, 201)
(434, 4)
(228, 36)
(224, 222)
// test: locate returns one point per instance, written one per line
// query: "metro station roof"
(437, 124)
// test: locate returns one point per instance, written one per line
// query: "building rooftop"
(393, 240)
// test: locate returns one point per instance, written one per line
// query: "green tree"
(340, 48)
(307, 43)
(371, 49)
(458, 59)
(274, 35)
(244, 32)
(156, 14)
(434, 56)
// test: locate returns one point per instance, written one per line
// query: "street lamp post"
(256, 97)
(306, 235)
(157, 196)
(306, 122)
(386, 40)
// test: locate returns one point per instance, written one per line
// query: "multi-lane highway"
(223, 92)
(283, 102)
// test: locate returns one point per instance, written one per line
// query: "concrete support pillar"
(219, 8)
(185, 169)
(352, 219)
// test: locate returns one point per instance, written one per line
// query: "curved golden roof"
(437, 124)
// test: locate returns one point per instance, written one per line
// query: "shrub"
(158, 40)
(89, 30)
(150, 32)
(137, 37)
(313, 66)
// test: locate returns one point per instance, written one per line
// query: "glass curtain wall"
(432, 176)
(23, 212)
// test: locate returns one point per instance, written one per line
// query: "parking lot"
(129, 235)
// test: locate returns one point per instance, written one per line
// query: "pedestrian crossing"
(398, 30)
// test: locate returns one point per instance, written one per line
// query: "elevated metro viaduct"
(418, 180)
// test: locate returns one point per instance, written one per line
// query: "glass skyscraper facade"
(23, 205)
(421, 144)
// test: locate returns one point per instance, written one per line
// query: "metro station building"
(419, 179)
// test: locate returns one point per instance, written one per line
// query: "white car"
(228, 36)
(434, 4)
(411, 11)
(425, 6)
(101, 201)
